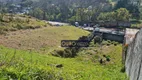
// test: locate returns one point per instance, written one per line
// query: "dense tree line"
(121, 14)
(85, 10)
(75, 10)
(69, 11)
(134, 7)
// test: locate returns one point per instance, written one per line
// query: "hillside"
(43, 38)
(27, 46)
(30, 47)
(13, 22)
(28, 65)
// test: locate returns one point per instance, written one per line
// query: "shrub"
(19, 20)
(13, 29)
(58, 53)
(95, 58)
(68, 52)
(2, 30)
(18, 26)
(1, 17)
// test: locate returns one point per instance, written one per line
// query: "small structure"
(110, 34)
(130, 35)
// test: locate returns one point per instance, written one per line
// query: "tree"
(121, 14)
(133, 7)
(122, 4)
(108, 16)
(37, 12)
(26, 3)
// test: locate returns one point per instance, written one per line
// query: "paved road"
(105, 30)
(89, 28)
(57, 23)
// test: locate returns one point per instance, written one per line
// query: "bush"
(13, 29)
(68, 52)
(1, 17)
(18, 26)
(2, 30)
(19, 20)
(108, 42)
(29, 27)
(95, 58)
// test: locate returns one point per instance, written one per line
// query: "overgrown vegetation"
(75, 10)
(44, 39)
(33, 65)
(28, 65)
(121, 14)
(134, 7)
(12, 22)
(37, 55)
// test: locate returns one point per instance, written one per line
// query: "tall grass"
(10, 22)
(29, 65)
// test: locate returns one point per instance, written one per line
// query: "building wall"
(113, 37)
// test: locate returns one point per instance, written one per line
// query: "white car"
(97, 29)
(114, 32)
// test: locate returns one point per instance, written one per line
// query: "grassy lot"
(43, 39)
(22, 58)
(28, 65)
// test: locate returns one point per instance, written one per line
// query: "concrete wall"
(110, 36)
(113, 37)
(133, 64)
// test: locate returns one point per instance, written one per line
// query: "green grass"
(43, 39)
(27, 65)
(13, 22)
(136, 23)
(21, 61)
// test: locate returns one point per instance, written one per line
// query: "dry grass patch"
(49, 37)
